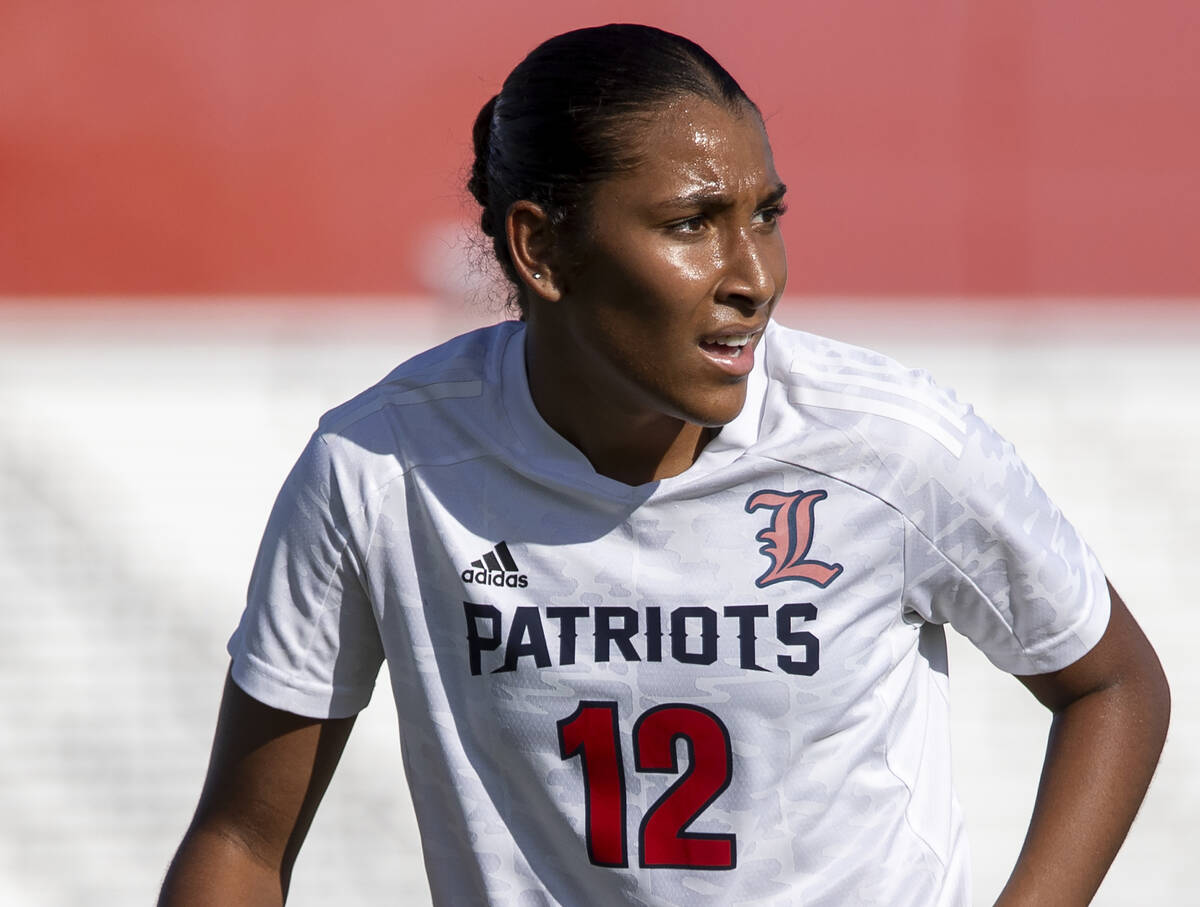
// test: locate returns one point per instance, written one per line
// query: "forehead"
(694, 144)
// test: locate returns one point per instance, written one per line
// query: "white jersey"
(725, 687)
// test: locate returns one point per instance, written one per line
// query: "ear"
(531, 246)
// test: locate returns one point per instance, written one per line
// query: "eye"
(769, 215)
(691, 225)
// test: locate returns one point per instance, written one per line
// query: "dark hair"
(557, 125)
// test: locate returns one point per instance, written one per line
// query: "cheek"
(778, 261)
(689, 266)
(645, 337)
(658, 292)
(650, 266)
(779, 275)
(640, 305)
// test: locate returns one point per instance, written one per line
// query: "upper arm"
(1122, 661)
(308, 641)
(266, 776)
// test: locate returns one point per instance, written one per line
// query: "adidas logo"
(496, 568)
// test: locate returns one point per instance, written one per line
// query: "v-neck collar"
(551, 454)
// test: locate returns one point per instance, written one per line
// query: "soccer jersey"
(724, 687)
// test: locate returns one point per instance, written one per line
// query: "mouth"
(733, 352)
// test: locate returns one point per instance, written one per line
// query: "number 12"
(590, 733)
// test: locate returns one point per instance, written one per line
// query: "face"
(682, 265)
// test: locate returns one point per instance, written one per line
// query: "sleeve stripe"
(948, 437)
(440, 391)
(890, 387)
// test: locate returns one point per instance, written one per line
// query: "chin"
(716, 409)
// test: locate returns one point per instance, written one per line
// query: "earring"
(537, 275)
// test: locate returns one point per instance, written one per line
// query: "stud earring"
(537, 275)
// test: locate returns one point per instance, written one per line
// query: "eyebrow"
(703, 198)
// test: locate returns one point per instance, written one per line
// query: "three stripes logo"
(496, 568)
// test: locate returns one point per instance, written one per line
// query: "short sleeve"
(308, 641)
(989, 553)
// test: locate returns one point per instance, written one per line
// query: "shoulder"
(867, 421)
(893, 432)
(819, 383)
(458, 368)
(438, 407)
(440, 400)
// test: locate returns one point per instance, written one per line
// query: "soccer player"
(662, 585)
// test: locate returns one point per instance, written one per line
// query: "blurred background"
(219, 220)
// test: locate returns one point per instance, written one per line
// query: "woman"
(661, 584)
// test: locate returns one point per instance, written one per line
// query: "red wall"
(277, 146)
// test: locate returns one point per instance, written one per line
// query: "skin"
(1111, 710)
(266, 776)
(681, 250)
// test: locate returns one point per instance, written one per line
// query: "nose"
(754, 271)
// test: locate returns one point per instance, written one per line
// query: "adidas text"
(497, 567)
(495, 578)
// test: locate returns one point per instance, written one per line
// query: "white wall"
(141, 447)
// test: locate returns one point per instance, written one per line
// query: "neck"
(622, 442)
(649, 453)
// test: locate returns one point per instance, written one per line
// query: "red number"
(591, 733)
(663, 842)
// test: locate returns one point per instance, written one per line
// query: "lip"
(738, 365)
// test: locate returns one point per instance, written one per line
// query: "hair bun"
(478, 182)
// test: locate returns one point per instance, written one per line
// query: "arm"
(1111, 710)
(266, 776)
